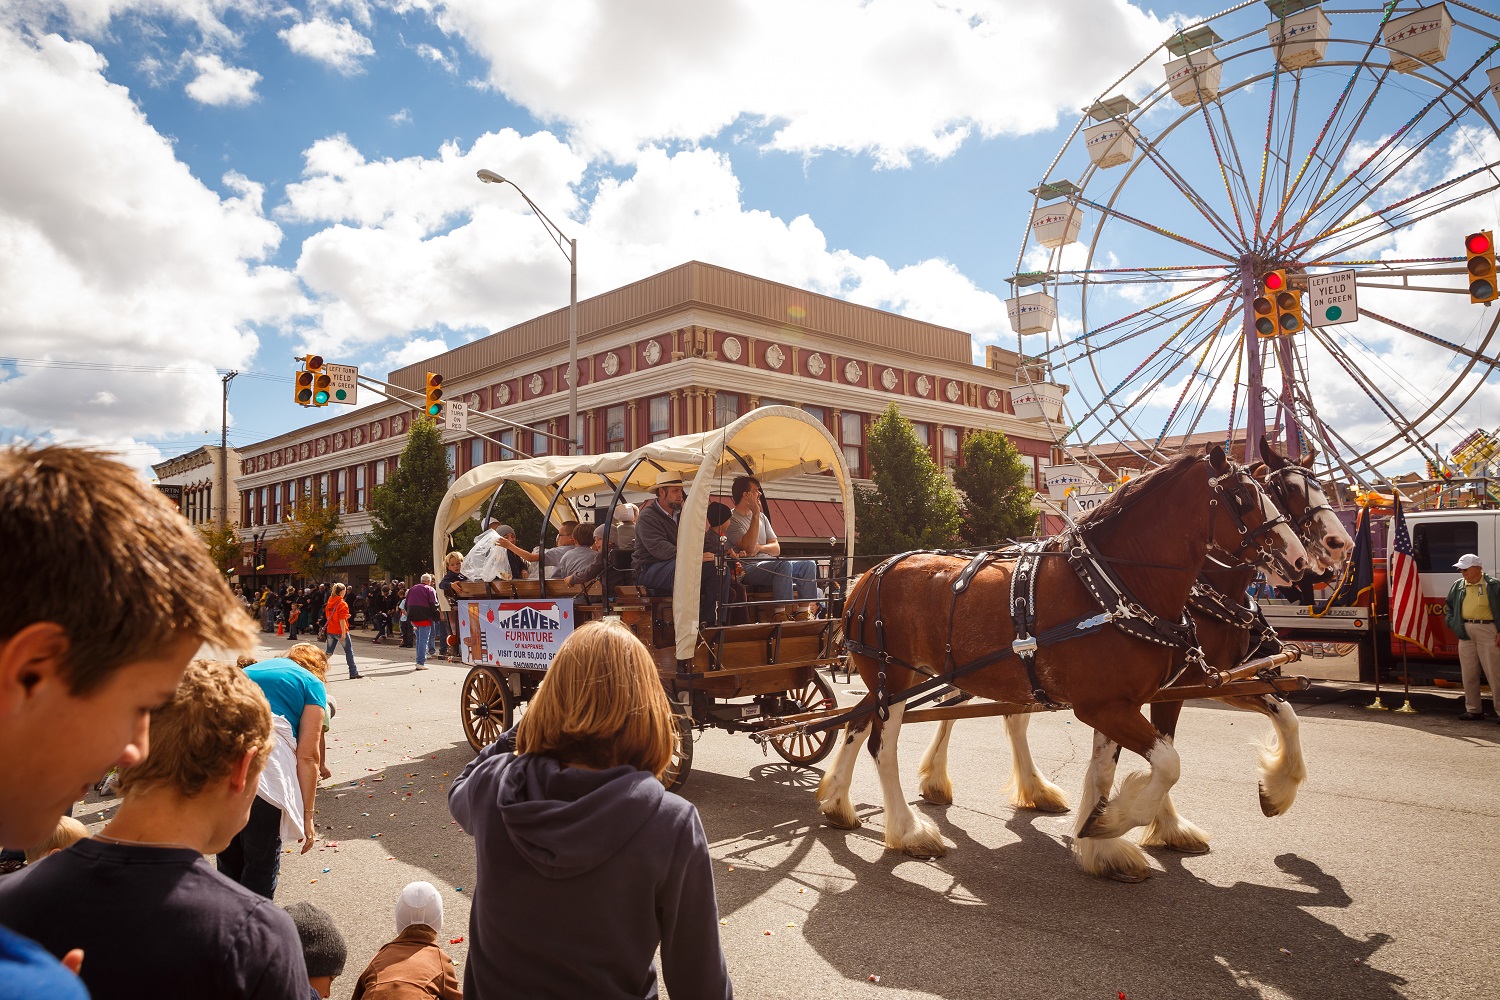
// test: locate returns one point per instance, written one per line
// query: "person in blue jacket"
(586, 863)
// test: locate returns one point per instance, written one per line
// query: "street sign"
(1331, 299)
(343, 383)
(586, 514)
(172, 493)
(586, 500)
(456, 417)
(1082, 503)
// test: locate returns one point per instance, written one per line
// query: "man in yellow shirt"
(1472, 603)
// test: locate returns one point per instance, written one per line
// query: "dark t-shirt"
(155, 922)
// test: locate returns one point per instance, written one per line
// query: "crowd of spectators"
(218, 759)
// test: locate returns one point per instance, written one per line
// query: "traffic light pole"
(379, 388)
(224, 454)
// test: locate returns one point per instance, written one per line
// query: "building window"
(343, 498)
(359, 487)
(245, 514)
(817, 413)
(508, 443)
(380, 472)
(924, 434)
(1041, 465)
(614, 428)
(324, 496)
(450, 456)
(306, 487)
(476, 453)
(660, 425)
(726, 408)
(540, 443)
(260, 514)
(950, 449)
(208, 503)
(851, 436)
(276, 504)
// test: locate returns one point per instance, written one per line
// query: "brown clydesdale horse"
(1156, 534)
(1226, 643)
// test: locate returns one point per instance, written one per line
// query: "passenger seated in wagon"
(655, 559)
(751, 535)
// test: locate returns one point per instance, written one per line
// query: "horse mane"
(1136, 489)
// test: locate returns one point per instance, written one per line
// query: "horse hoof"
(923, 853)
(1267, 807)
(1048, 807)
(1092, 820)
(1188, 848)
(840, 823)
(1129, 878)
(937, 798)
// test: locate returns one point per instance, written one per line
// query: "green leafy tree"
(996, 497)
(402, 510)
(223, 543)
(314, 538)
(911, 505)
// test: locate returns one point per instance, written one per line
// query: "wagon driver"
(1472, 603)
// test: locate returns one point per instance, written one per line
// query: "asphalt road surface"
(1379, 883)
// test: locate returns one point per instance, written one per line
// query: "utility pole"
(224, 455)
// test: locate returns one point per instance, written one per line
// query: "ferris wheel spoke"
(1208, 344)
(1187, 192)
(1370, 389)
(1402, 131)
(1230, 356)
(1105, 210)
(1265, 155)
(1378, 213)
(1333, 164)
(1148, 310)
(1387, 227)
(1126, 335)
(1224, 169)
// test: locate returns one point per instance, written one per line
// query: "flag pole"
(1406, 707)
(1377, 705)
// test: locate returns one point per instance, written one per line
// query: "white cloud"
(436, 55)
(116, 255)
(402, 117)
(337, 43)
(420, 244)
(219, 84)
(892, 77)
(91, 18)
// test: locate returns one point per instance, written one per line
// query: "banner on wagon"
(513, 633)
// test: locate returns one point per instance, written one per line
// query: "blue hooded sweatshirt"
(581, 874)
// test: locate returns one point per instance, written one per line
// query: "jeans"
(333, 641)
(439, 637)
(253, 857)
(657, 577)
(424, 636)
(783, 576)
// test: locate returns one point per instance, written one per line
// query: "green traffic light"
(321, 397)
(434, 409)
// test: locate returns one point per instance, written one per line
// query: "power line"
(113, 367)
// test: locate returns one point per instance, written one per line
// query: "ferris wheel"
(1276, 222)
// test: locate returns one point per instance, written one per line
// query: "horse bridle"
(1238, 506)
(1309, 482)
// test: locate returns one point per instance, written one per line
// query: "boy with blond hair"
(69, 831)
(113, 594)
(154, 917)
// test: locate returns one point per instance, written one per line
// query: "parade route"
(1378, 882)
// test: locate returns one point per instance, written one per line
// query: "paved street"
(1379, 882)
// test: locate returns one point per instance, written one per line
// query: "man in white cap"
(1472, 603)
(412, 965)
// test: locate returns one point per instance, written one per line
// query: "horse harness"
(1309, 483)
(1117, 605)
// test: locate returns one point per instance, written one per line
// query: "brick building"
(685, 350)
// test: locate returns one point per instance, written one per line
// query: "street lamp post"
(569, 247)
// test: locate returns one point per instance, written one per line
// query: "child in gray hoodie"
(585, 862)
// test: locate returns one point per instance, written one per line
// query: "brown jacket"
(412, 967)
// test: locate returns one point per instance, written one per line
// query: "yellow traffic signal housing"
(1266, 306)
(321, 383)
(305, 384)
(434, 395)
(1289, 311)
(1480, 249)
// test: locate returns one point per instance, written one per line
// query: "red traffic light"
(1477, 243)
(1275, 282)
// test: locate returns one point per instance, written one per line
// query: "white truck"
(1438, 538)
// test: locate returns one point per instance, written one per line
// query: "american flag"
(1408, 619)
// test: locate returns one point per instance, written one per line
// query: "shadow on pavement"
(1022, 920)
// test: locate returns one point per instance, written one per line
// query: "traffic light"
(434, 395)
(1288, 303)
(1264, 305)
(302, 389)
(1480, 249)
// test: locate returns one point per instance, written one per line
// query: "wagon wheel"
(487, 706)
(677, 772)
(808, 749)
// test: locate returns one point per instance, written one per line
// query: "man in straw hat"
(655, 559)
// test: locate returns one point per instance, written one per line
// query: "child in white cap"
(412, 967)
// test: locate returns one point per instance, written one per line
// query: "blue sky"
(195, 186)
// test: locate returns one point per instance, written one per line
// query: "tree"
(223, 545)
(911, 505)
(403, 510)
(996, 497)
(314, 538)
